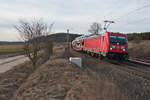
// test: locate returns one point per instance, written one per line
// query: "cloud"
(9, 35)
(76, 15)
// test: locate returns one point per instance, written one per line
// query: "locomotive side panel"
(104, 44)
(92, 44)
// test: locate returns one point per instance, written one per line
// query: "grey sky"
(76, 15)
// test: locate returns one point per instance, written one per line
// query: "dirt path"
(8, 63)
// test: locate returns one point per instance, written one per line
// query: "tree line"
(139, 36)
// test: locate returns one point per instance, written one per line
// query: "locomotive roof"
(117, 33)
(95, 35)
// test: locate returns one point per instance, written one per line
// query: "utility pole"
(107, 24)
(68, 44)
(68, 36)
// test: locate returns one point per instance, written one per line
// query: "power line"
(128, 13)
(131, 12)
(145, 6)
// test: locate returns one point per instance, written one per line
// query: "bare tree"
(95, 28)
(31, 32)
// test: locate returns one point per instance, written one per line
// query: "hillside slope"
(139, 49)
(62, 37)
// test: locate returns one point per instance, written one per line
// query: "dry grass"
(50, 82)
(128, 84)
(11, 80)
(139, 49)
(93, 88)
(60, 80)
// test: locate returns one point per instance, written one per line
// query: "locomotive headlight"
(123, 48)
(112, 47)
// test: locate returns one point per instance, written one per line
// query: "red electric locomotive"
(111, 45)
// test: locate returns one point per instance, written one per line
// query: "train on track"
(108, 44)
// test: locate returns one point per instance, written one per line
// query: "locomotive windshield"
(117, 39)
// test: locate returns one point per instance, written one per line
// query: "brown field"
(11, 48)
(140, 49)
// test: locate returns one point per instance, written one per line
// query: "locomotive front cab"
(118, 46)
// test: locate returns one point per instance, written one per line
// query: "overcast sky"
(77, 15)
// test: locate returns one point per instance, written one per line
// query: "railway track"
(138, 68)
(140, 61)
(131, 67)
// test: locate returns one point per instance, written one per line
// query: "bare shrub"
(31, 32)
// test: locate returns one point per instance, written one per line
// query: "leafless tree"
(32, 32)
(95, 28)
